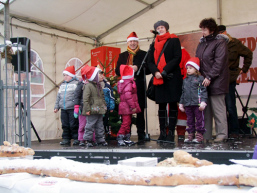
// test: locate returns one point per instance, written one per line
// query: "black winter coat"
(78, 95)
(213, 54)
(171, 89)
(138, 58)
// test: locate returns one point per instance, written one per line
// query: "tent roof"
(94, 18)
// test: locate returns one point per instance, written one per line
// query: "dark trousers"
(233, 125)
(106, 121)
(195, 119)
(140, 123)
(70, 125)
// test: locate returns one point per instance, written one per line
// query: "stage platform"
(218, 153)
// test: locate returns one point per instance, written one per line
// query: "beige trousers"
(216, 108)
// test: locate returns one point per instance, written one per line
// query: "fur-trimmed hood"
(218, 36)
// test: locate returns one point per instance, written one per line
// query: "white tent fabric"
(51, 22)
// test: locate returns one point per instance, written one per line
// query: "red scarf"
(158, 45)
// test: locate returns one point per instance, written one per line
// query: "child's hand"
(55, 110)
(111, 111)
(88, 113)
(181, 107)
(202, 106)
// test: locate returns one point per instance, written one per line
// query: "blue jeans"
(233, 125)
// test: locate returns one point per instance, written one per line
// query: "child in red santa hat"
(94, 106)
(65, 102)
(128, 104)
(193, 101)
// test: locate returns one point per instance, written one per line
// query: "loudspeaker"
(22, 41)
(243, 129)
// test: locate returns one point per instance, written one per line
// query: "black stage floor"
(218, 153)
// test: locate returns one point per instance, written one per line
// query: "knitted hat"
(194, 62)
(221, 28)
(161, 23)
(132, 36)
(126, 72)
(89, 72)
(70, 70)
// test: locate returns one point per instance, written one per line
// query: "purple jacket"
(128, 97)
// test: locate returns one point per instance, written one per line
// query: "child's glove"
(181, 107)
(76, 111)
(202, 106)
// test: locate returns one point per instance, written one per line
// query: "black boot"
(173, 115)
(65, 142)
(162, 122)
(170, 136)
(141, 137)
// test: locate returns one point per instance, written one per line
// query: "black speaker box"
(22, 41)
(243, 126)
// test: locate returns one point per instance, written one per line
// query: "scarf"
(158, 45)
(132, 53)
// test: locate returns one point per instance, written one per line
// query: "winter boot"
(104, 143)
(65, 142)
(162, 122)
(82, 143)
(170, 136)
(173, 115)
(190, 138)
(75, 142)
(128, 141)
(198, 138)
(120, 140)
(89, 143)
(141, 137)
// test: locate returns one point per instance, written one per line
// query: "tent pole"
(219, 15)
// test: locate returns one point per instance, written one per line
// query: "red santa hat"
(195, 62)
(126, 72)
(70, 70)
(89, 72)
(132, 36)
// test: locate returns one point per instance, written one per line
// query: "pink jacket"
(128, 97)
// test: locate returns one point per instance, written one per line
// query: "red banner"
(105, 58)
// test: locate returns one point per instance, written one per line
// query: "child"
(109, 99)
(94, 106)
(77, 111)
(128, 103)
(65, 102)
(193, 101)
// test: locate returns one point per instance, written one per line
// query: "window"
(77, 63)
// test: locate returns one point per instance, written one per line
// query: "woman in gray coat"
(213, 54)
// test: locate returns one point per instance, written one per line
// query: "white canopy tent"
(64, 31)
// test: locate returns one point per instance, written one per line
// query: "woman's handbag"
(150, 92)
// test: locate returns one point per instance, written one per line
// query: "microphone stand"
(147, 135)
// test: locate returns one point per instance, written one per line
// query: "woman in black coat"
(167, 77)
